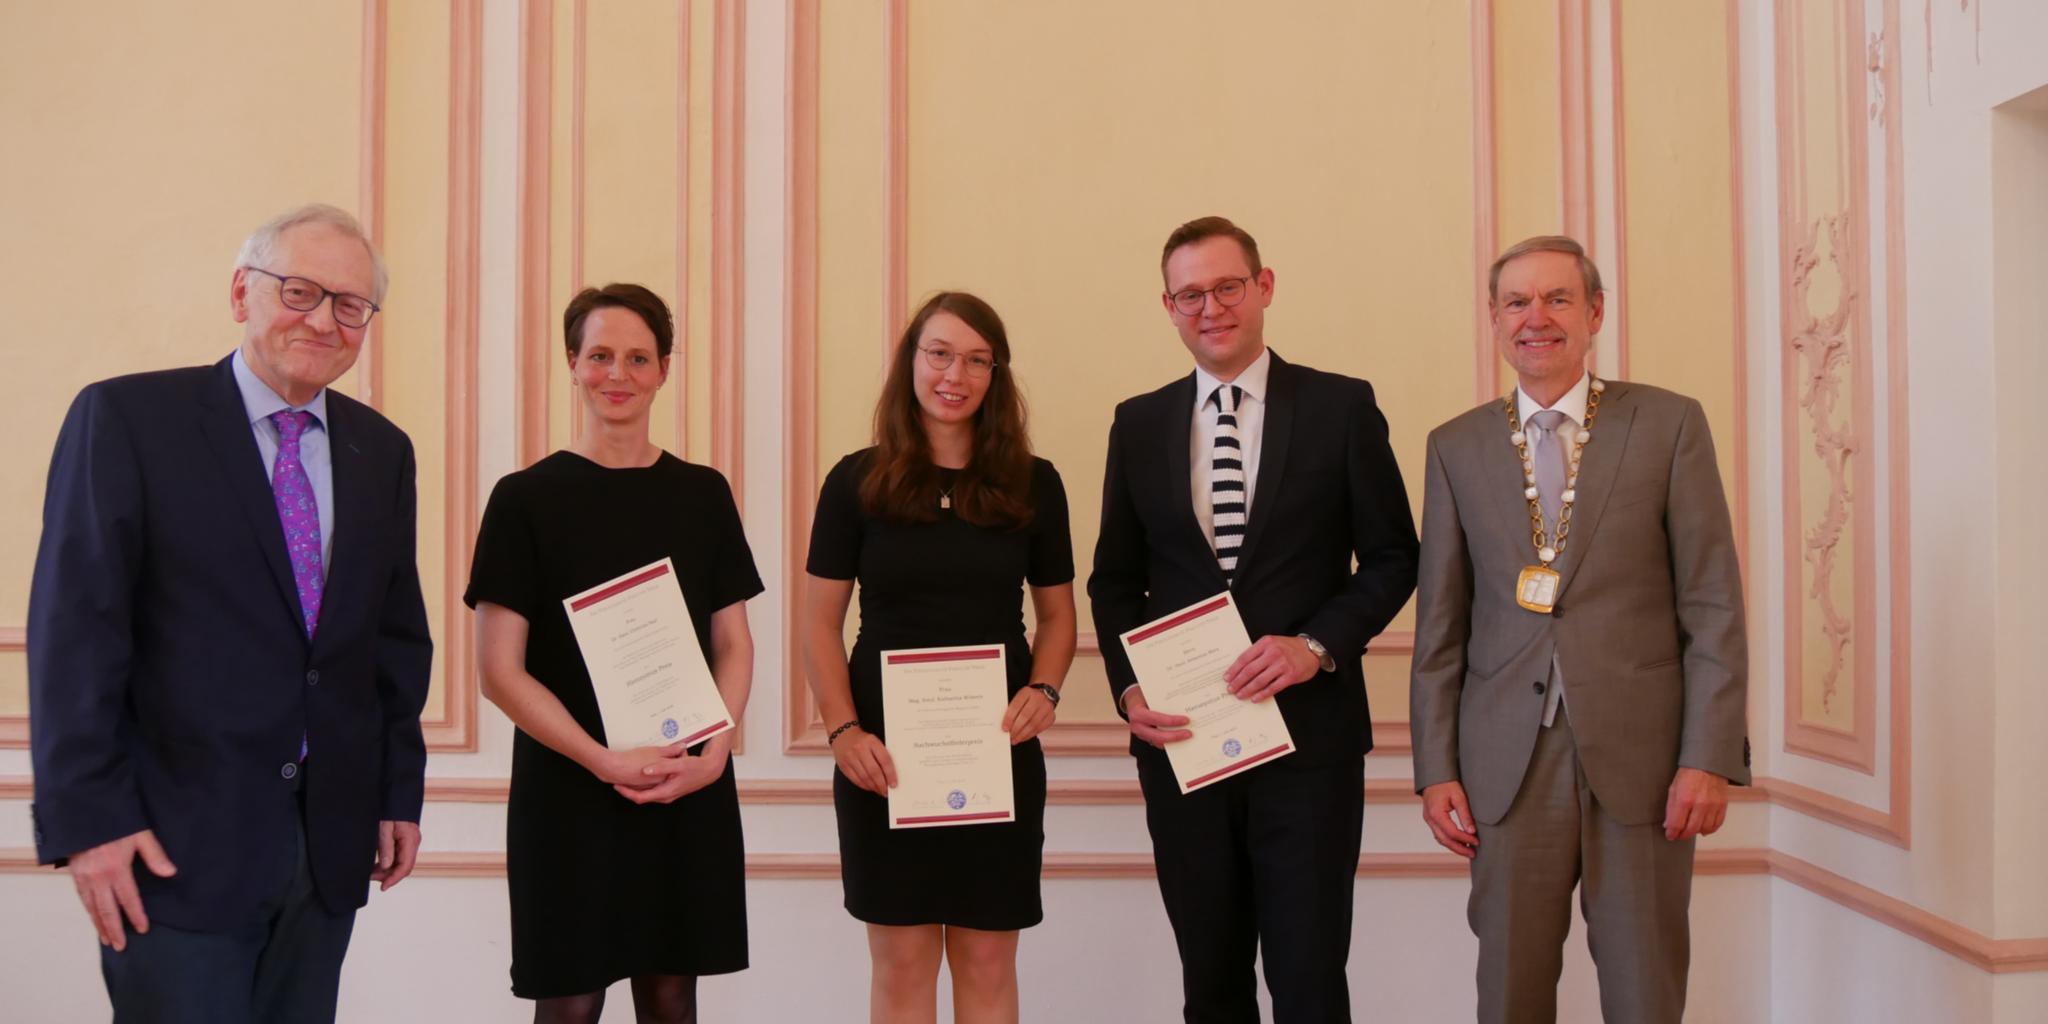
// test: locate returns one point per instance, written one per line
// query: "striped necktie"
(1226, 480)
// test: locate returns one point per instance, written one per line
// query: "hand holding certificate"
(944, 707)
(1180, 660)
(653, 685)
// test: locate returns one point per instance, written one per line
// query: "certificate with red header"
(653, 685)
(1180, 659)
(943, 711)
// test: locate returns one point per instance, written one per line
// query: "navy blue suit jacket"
(170, 676)
(1328, 496)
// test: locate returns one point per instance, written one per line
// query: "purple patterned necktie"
(300, 515)
(298, 512)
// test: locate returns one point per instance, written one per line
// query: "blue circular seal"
(669, 729)
(1232, 748)
(956, 799)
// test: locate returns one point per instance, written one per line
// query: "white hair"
(261, 247)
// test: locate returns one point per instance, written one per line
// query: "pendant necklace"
(1536, 589)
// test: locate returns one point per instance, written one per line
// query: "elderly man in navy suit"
(228, 650)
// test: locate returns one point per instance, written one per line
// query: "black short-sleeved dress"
(939, 584)
(603, 888)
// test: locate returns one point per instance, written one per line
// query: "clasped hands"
(1268, 666)
(660, 775)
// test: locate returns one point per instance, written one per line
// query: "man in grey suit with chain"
(1578, 691)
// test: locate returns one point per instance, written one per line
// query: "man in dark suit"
(228, 650)
(1578, 691)
(1268, 479)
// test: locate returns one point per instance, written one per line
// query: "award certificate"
(944, 712)
(653, 685)
(1180, 660)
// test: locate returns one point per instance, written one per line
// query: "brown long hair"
(902, 482)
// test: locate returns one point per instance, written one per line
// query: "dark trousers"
(1261, 863)
(282, 969)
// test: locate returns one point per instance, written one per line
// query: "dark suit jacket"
(1647, 628)
(170, 676)
(1328, 489)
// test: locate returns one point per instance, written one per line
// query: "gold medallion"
(1536, 590)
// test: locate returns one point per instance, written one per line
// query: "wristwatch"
(1322, 653)
(1052, 693)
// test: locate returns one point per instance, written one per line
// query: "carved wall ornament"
(1822, 344)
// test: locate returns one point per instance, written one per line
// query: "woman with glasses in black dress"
(943, 523)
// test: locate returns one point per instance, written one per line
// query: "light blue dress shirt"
(314, 451)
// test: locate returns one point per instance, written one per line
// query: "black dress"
(603, 888)
(937, 584)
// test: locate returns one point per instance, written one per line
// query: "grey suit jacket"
(1647, 629)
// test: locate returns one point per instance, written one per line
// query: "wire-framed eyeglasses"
(978, 365)
(305, 295)
(1229, 292)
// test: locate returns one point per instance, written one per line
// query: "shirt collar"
(260, 402)
(1252, 380)
(1573, 404)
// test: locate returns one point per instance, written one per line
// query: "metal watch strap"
(1052, 693)
(1315, 647)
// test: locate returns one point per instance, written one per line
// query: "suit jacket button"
(313, 677)
(1538, 685)
(289, 771)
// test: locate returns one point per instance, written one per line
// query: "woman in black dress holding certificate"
(621, 863)
(942, 523)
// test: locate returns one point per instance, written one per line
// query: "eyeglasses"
(305, 296)
(978, 365)
(1191, 301)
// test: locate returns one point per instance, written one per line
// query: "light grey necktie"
(1549, 456)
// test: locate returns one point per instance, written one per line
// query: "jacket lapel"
(346, 559)
(1178, 495)
(1276, 433)
(1598, 470)
(1503, 482)
(225, 422)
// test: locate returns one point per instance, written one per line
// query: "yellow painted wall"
(137, 161)
(635, 205)
(1528, 132)
(1528, 140)
(851, 331)
(629, 159)
(414, 323)
(1681, 269)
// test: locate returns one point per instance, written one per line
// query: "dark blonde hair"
(1544, 243)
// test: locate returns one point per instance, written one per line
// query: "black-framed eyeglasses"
(305, 296)
(1229, 292)
(978, 365)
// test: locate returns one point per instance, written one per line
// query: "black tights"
(657, 999)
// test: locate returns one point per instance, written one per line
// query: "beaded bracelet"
(834, 734)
